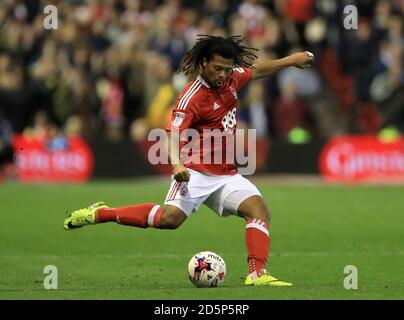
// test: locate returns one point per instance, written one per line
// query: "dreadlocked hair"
(206, 46)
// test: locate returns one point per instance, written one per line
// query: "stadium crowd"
(109, 67)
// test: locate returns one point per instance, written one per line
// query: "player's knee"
(171, 218)
(255, 208)
(266, 214)
(170, 222)
(262, 214)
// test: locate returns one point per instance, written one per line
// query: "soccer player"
(221, 66)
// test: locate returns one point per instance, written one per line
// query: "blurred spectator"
(73, 127)
(42, 128)
(167, 89)
(367, 119)
(257, 109)
(387, 88)
(108, 69)
(162, 102)
(6, 148)
(7, 168)
(289, 111)
(306, 82)
(110, 92)
(360, 55)
(14, 97)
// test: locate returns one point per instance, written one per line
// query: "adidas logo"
(216, 106)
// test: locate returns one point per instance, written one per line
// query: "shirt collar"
(203, 81)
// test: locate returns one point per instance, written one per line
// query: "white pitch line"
(182, 255)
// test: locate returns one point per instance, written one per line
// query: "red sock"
(258, 242)
(142, 215)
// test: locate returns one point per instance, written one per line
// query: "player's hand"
(180, 173)
(302, 60)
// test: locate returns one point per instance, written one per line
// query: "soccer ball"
(207, 269)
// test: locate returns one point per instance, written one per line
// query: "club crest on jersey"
(183, 189)
(178, 118)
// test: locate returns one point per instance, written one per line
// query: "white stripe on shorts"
(173, 191)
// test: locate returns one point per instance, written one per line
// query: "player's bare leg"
(172, 217)
(258, 241)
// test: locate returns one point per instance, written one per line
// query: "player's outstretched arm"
(264, 68)
(180, 172)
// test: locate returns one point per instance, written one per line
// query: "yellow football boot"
(266, 280)
(83, 217)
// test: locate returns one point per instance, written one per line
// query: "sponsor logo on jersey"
(229, 121)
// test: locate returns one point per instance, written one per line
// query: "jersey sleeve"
(185, 113)
(241, 77)
(181, 118)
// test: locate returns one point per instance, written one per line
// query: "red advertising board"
(56, 160)
(363, 158)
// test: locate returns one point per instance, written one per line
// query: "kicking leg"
(141, 216)
(144, 216)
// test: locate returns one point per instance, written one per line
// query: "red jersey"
(204, 109)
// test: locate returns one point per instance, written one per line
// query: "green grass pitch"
(316, 231)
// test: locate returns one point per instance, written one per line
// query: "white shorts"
(223, 194)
